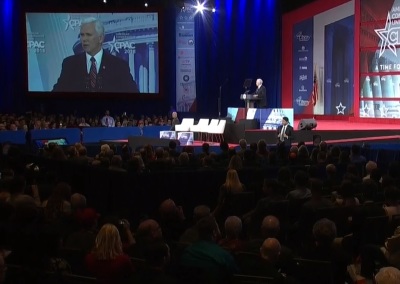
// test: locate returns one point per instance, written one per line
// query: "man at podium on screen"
(261, 94)
(94, 70)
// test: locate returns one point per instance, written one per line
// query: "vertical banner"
(303, 67)
(185, 61)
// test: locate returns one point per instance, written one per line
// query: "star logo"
(112, 45)
(388, 37)
(71, 23)
(366, 109)
(340, 108)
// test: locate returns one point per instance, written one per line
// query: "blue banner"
(303, 66)
(185, 61)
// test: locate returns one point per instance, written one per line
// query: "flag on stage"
(314, 94)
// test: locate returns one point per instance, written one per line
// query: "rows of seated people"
(329, 216)
(35, 120)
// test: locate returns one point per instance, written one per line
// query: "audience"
(107, 262)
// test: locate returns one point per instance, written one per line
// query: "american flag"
(314, 94)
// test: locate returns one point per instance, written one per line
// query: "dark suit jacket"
(262, 95)
(288, 132)
(114, 75)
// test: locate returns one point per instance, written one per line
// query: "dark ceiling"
(287, 5)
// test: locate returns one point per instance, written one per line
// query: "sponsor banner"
(185, 61)
(270, 118)
(302, 66)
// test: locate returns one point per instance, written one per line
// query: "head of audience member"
(3, 265)
(355, 150)
(376, 175)
(232, 182)
(172, 145)
(324, 232)
(347, 189)
(108, 243)
(183, 159)
(233, 227)
(294, 149)
(116, 161)
(208, 229)
(323, 146)
(235, 163)
(253, 147)
(371, 165)
(270, 227)
(303, 153)
(88, 218)
(170, 212)
(243, 144)
(224, 146)
(301, 143)
(301, 179)
(159, 153)
(148, 232)
(200, 212)
(78, 202)
(262, 147)
(388, 275)
(270, 250)
(330, 170)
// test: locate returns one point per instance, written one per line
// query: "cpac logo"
(71, 23)
(389, 36)
(115, 45)
(301, 102)
(303, 77)
(301, 37)
(35, 44)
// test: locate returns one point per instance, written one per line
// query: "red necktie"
(93, 73)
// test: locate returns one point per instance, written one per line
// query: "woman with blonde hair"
(231, 186)
(107, 262)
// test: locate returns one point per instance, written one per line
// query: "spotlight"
(199, 7)
(213, 10)
(146, 4)
(105, 1)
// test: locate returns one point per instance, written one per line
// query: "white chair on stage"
(213, 124)
(218, 130)
(200, 127)
(185, 125)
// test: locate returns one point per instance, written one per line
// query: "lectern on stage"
(249, 99)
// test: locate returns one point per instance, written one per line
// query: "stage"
(335, 132)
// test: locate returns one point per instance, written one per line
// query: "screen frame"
(98, 95)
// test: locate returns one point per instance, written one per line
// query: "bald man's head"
(270, 249)
(270, 227)
(149, 231)
(233, 227)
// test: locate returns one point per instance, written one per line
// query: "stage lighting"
(146, 4)
(105, 1)
(213, 10)
(199, 7)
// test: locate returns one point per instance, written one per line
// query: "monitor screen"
(92, 52)
(40, 143)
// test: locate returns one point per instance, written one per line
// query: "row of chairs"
(210, 128)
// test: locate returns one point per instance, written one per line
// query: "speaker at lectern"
(249, 100)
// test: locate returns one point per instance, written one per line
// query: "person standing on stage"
(261, 93)
(285, 132)
(175, 120)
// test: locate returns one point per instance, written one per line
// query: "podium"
(249, 100)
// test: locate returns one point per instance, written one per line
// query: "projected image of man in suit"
(94, 70)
